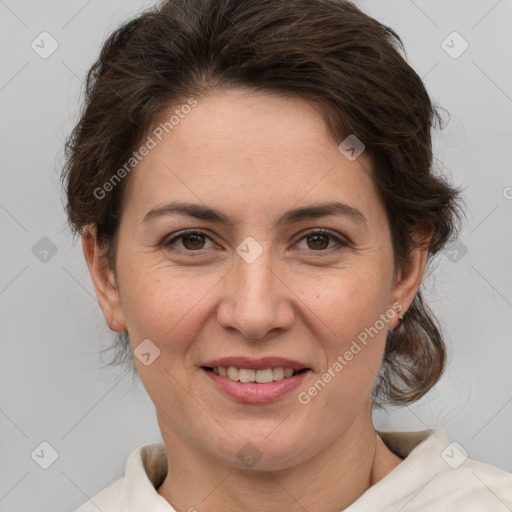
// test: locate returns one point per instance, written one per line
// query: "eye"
(318, 240)
(192, 240)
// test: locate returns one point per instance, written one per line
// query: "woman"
(253, 185)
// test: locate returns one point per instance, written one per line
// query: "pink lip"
(255, 364)
(255, 392)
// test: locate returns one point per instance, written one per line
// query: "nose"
(256, 300)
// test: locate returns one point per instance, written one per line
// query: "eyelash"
(341, 243)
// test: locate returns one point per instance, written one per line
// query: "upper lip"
(255, 364)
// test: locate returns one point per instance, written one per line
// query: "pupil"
(196, 239)
(317, 239)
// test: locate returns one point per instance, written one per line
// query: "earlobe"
(103, 280)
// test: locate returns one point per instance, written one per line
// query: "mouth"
(255, 380)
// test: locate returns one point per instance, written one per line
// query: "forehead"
(248, 147)
(243, 124)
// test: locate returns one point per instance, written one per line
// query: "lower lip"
(255, 392)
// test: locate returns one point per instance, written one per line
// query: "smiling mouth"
(263, 376)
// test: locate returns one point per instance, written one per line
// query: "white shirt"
(436, 476)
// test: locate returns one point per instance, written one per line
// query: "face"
(252, 271)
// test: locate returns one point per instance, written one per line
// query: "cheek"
(164, 305)
(349, 301)
(355, 314)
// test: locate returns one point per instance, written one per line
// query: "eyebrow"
(313, 211)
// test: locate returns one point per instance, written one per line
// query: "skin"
(254, 156)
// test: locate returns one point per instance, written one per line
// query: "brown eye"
(190, 241)
(318, 241)
(193, 241)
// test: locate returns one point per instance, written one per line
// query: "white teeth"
(232, 373)
(247, 375)
(278, 373)
(264, 376)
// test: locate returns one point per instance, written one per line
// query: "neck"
(330, 481)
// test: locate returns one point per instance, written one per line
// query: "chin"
(265, 454)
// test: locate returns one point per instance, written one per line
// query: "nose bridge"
(255, 279)
(255, 300)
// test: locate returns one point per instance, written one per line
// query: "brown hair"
(325, 51)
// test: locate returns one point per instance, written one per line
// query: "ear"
(103, 280)
(409, 278)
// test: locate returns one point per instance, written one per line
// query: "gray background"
(54, 388)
